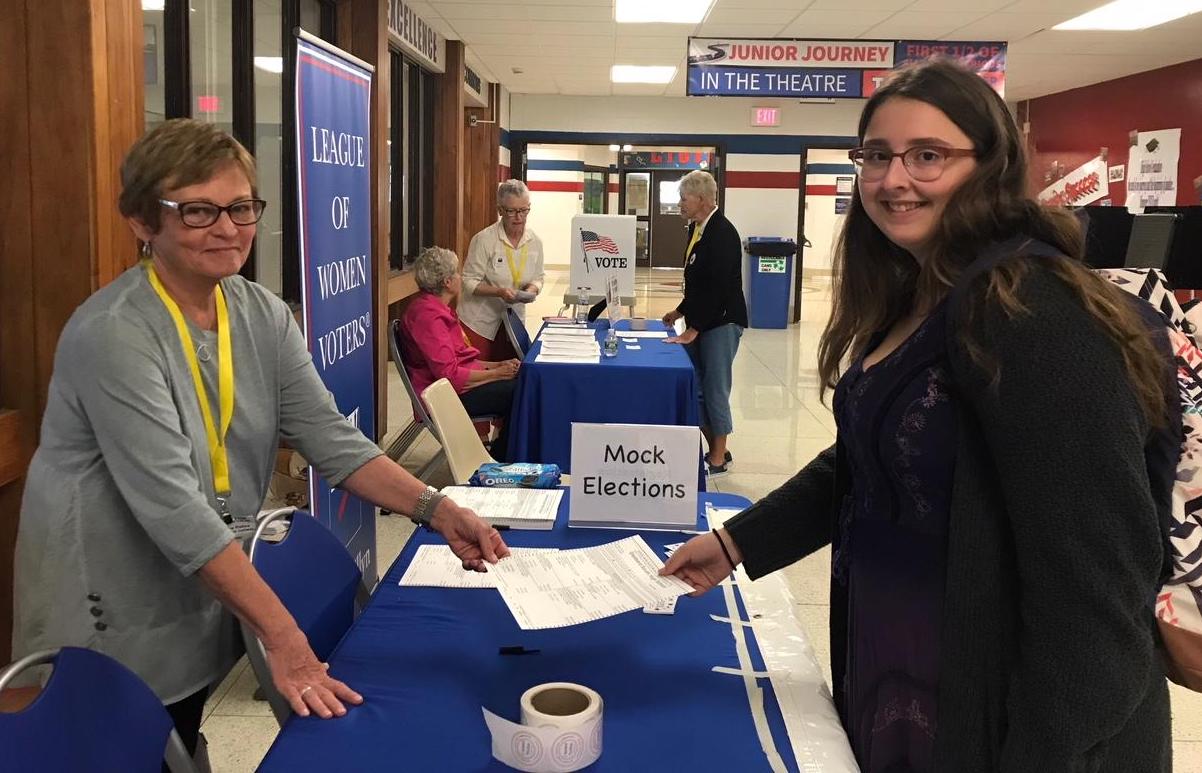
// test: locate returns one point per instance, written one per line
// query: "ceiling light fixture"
(661, 11)
(615, 147)
(152, 5)
(1131, 15)
(634, 73)
(270, 63)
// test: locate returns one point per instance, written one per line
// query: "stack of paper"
(569, 345)
(568, 587)
(519, 508)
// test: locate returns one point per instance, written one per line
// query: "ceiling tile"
(741, 30)
(1006, 26)
(848, 6)
(454, 11)
(923, 26)
(777, 16)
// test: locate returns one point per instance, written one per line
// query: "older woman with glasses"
(171, 388)
(504, 269)
(434, 346)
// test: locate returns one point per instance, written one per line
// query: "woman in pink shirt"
(434, 346)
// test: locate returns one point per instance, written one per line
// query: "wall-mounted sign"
(832, 69)
(1152, 170)
(667, 159)
(474, 88)
(634, 475)
(1084, 185)
(844, 185)
(1117, 173)
(416, 38)
(765, 116)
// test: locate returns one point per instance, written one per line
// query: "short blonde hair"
(700, 184)
(433, 268)
(511, 188)
(175, 154)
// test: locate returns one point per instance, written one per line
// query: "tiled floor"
(780, 424)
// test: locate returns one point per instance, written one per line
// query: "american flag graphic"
(592, 241)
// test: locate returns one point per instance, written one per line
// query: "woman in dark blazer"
(1002, 474)
(713, 308)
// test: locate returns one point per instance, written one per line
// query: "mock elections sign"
(823, 69)
(333, 160)
(634, 476)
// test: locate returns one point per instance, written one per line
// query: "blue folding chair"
(519, 337)
(317, 581)
(93, 714)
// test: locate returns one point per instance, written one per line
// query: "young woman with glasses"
(171, 388)
(1002, 466)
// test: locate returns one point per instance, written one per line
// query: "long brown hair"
(876, 283)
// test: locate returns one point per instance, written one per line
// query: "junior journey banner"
(333, 162)
(824, 69)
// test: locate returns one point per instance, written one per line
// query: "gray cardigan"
(1055, 551)
(119, 509)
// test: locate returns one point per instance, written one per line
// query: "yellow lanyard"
(516, 271)
(692, 242)
(218, 458)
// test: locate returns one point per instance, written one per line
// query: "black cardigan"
(1055, 550)
(713, 277)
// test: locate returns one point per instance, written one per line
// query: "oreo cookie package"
(516, 475)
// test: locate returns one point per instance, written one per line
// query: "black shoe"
(726, 460)
(716, 471)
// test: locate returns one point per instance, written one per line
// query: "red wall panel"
(1071, 127)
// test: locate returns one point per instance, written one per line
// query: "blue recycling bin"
(770, 264)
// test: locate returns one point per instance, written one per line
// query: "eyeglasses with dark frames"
(925, 163)
(202, 214)
(515, 212)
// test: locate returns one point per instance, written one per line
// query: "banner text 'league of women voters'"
(333, 147)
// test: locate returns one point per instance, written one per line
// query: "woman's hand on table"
(469, 537)
(701, 563)
(670, 318)
(687, 337)
(304, 680)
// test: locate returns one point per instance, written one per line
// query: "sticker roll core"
(560, 729)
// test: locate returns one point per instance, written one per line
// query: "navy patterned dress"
(898, 424)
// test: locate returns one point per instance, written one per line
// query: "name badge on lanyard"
(215, 433)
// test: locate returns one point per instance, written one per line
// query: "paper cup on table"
(560, 730)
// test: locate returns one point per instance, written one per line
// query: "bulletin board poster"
(602, 246)
(824, 69)
(333, 162)
(1152, 170)
(1084, 185)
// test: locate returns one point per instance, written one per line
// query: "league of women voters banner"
(823, 69)
(333, 167)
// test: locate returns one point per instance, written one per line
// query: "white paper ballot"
(570, 587)
(569, 358)
(568, 332)
(570, 346)
(437, 566)
(519, 508)
(644, 334)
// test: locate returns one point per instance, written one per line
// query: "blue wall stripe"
(732, 143)
(558, 166)
(504, 138)
(831, 169)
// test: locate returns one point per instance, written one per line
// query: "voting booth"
(602, 246)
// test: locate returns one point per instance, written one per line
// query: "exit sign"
(765, 116)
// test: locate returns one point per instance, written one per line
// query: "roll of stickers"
(560, 730)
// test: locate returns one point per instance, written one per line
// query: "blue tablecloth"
(426, 660)
(655, 384)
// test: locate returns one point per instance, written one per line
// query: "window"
(411, 154)
(226, 61)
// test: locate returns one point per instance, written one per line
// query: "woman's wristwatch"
(427, 503)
